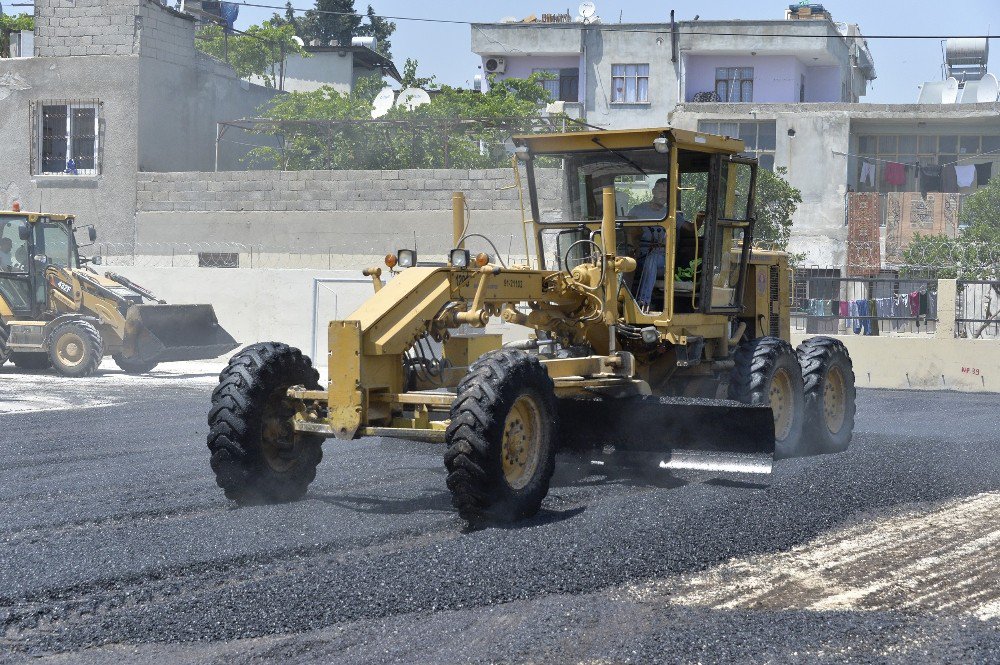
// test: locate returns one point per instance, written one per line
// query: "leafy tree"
(379, 28)
(9, 24)
(459, 129)
(257, 53)
(410, 78)
(330, 20)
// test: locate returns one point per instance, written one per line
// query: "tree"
(256, 53)
(330, 20)
(379, 28)
(459, 129)
(9, 24)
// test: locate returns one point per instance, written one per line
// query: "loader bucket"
(718, 436)
(165, 333)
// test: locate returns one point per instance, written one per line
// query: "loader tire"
(767, 372)
(76, 349)
(256, 455)
(130, 366)
(31, 361)
(502, 438)
(828, 381)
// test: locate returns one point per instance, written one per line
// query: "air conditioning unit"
(495, 65)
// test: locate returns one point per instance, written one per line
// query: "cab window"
(13, 250)
(53, 240)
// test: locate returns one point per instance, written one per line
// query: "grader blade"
(165, 333)
(717, 436)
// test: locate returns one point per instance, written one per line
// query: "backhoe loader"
(57, 311)
(651, 331)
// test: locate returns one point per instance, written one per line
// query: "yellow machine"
(651, 331)
(57, 311)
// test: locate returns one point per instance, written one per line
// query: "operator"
(650, 240)
(6, 258)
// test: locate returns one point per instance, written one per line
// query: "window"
(734, 84)
(67, 138)
(630, 84)
(53, 240)
(758, 137)
(562, 84)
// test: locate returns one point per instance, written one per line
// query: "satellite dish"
(949, 95)
(383, 102)
(989, 89)
(298, 40)
(411, 98)
(587, 9)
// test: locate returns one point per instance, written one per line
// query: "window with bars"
(734, 84)
(67, 137)
(630, 84)
(758, 137)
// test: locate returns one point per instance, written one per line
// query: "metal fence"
(977, 309)
(825, 302)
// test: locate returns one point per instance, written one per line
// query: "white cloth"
(965, 174)
(868, 172)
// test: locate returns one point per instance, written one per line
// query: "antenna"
(411, 98)
(383, 102)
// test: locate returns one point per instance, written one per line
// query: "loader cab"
(36, 242)
(683, 210)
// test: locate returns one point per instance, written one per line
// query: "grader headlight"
(407, 258)
(459, 258)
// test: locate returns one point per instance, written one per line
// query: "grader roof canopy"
(621, 139)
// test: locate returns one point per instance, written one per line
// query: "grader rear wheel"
(828, 379)
(501, 439)
(257, 456)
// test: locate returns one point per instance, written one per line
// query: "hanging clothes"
(854, 322)
(932, 298)
(873, 313)
(984, 172)
(864, 318)
(894, 174)
(867, 173)
(949, 181)
(930, 179)
(965, 174)
(845, 310)
(900, 308)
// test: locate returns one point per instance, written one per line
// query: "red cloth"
(914, 304)
(895, 174)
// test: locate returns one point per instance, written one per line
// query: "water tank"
(965, 58)
(367, 42)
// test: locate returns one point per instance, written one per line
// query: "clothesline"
(893, 161)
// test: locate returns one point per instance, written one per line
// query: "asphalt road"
(116, 546)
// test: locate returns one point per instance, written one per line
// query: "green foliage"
(258, 53)
(687, 274)
(9, 24)
(411, 80)
(379, 28)
(974, 254)
(340, 25)
(458, 129)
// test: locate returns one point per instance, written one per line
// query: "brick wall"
(320, 191)
(85, 27)
(167, 35)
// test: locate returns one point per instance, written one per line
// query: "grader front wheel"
(501, 439)
(256, 455)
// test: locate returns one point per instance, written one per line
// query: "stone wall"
(166, 35)
(85, 27)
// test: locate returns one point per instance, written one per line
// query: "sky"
(443, 50)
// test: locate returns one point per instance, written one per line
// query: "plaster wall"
(775, 78)
(106, 200)
(321, 68)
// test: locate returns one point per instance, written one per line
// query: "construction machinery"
(57, 311)
(651, 332)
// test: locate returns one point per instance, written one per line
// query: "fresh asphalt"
(117, 546)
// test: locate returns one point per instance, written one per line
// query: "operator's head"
(661, 190)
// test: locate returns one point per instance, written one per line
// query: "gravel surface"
(118, 546)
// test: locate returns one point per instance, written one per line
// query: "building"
(338, 67)
(634, 74)
(114, 88)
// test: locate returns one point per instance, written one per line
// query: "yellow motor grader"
(57, 311)
(651, 331)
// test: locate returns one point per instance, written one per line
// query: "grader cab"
(655, 327)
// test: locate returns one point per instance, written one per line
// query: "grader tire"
(76, 349)
(4, 351)
(828, 380)
(130, 366)
(256, 455)
(31, 361)
(502, 438)
(767, 372)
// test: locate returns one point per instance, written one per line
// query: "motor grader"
(57, 311)
(651, 332)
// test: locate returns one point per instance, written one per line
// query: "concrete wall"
(106, 200)
(86, 27)
(334, 69)
(355, 215)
